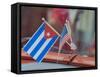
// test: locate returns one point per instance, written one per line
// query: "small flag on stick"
(41, 41)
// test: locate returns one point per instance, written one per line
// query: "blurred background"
(82, 23)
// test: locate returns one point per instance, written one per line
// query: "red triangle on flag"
(49, 33)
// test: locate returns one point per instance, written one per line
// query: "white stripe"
(35, 43)
(42, 48)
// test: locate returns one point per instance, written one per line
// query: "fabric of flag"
(65, 36)
(41, 42)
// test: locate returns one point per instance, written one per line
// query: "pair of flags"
(42, 41)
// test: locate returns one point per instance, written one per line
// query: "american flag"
(65, 36)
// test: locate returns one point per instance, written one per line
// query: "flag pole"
(43, 19)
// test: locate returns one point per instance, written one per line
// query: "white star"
(48, 34)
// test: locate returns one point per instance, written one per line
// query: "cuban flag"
(41, 42)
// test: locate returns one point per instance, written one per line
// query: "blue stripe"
(34, 38)
(46, 49)
(35, 50)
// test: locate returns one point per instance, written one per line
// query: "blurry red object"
(60, 15)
